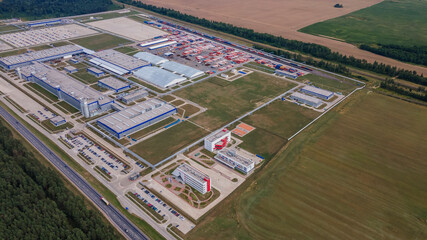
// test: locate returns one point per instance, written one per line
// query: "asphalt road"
(121, 222)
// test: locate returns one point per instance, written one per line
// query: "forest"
(414, 54)
(35, 203)
(312, 49)
(39, 9)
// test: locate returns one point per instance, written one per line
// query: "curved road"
(120, 221)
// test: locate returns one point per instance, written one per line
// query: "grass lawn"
(343, 86)
(151, 128)
(41, 47)
(177, 102)
(263, 143)
(14, 52)
(281, 118)
(168, 98)
(166, 143)
(5, 28)
(227, 100)
(125, 49)
(149, 86)
(401, 22)
(101, 41)
(105, 16)
(189, 110)
(85, 77)
(40, 90)
(68, 107)
(358, 173)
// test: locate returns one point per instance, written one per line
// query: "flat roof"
(120, 59)
(306, 97)
(67, 84)
(217, 135)
(191, 171)
(37, 55)
(57, 119)
(236, 157)
(113, 82)
(132, 94)
(135, 115)
(95, 70)
(320, 91)
(70, 68)
(151, 58)
(181, 69)
(158, 76)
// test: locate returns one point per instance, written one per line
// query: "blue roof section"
(158, 76)
(182, 69)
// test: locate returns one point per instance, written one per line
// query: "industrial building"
(96, 72)
(317, 92)
(286, 74)
(70, 69)
(151, 58)
(57, 121)
(117, 62)
(308, 100)
(113, 84)
(182, 69)
(89, 101)
(12, 62)
(218, 140)
(193, 177)
(136, 117)
(159, 77)
(132, 96)
(234, 160)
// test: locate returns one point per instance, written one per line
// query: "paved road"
(119, 220)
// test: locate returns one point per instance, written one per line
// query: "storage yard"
(168, 97)
(45, 35)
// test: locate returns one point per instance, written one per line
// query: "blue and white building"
(12, 62)
(114, 84)
(70, 69)
(86, 99)
(117, 62)
(234, 160)
(317, 92)
(305, 99)
(57, 121)
(136, 117)
(95, 71)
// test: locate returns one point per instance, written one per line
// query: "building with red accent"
(218, 140)
(193, 177)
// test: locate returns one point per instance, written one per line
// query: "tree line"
(414, 54)
(312, 49)
(38, 9)
(35, 204)
(390, 84)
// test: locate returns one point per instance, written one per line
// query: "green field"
(339, 85)
(143, 132)
(358, 173)
(41, 47)
(6, 28)
(168, 142)
(41, 91)
(14, 52)
(68, 107)
(101, 41)
(401, 22)
(105, 16)
(126, 49)
(228, 100)
(85, 77)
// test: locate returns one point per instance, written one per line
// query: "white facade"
(193, 177)
(232, 159)
(218, 141)
(308, 100)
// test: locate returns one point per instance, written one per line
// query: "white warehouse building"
(308, 100)
(317, 92)
(218, 140)
(234, 160)
(193, 177)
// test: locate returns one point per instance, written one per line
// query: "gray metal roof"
(151, 58)
(181, 69)
(158, 76)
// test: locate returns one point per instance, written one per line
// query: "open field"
(342, 86)
(227, 100)
(358, 173)
(14, 52)
(164, 144)
(401, 22)
(6, 28)
(128, 28)
(100, 42)
(284, 18)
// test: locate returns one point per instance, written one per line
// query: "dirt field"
(282, 17)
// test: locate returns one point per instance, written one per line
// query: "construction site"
(202, 113)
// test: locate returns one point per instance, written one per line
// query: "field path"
(284, 18)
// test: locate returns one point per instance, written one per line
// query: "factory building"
(218, 140)
(57, 121)
(151, 58)
(84, 98)
(308, 100)
(182, 69)
(70, 69)
(159, 77)
(193, 177)
(12, 62)
(317, 92)
(136, 117)
(113, 84)
(233, 160)
(132, 96)
(95, 71)
(117, 62)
